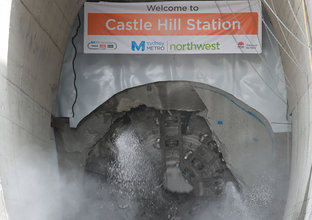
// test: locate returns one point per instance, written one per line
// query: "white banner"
(192, 27)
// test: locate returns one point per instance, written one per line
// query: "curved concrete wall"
(30, 68)
(30, 62)
(299, 98)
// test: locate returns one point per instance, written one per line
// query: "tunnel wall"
(299, 102)
(38, 32)
(29, 73)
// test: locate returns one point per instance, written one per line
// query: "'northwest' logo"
(139, 47)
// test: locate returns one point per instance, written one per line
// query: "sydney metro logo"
(135, 46)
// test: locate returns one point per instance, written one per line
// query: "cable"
(285, 38)
(274, 92)
(302, 43)
(296, 19)
(265, 61)
(262, 58)
(288, 83)
(280, 44)
(73, 65)
(267, 28)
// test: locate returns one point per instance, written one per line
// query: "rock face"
(160, 164)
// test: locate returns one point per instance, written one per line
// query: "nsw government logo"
(148, 46)
(241, 45)
(96, 45)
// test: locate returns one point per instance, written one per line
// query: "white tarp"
(181, 27)
(255, 79)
